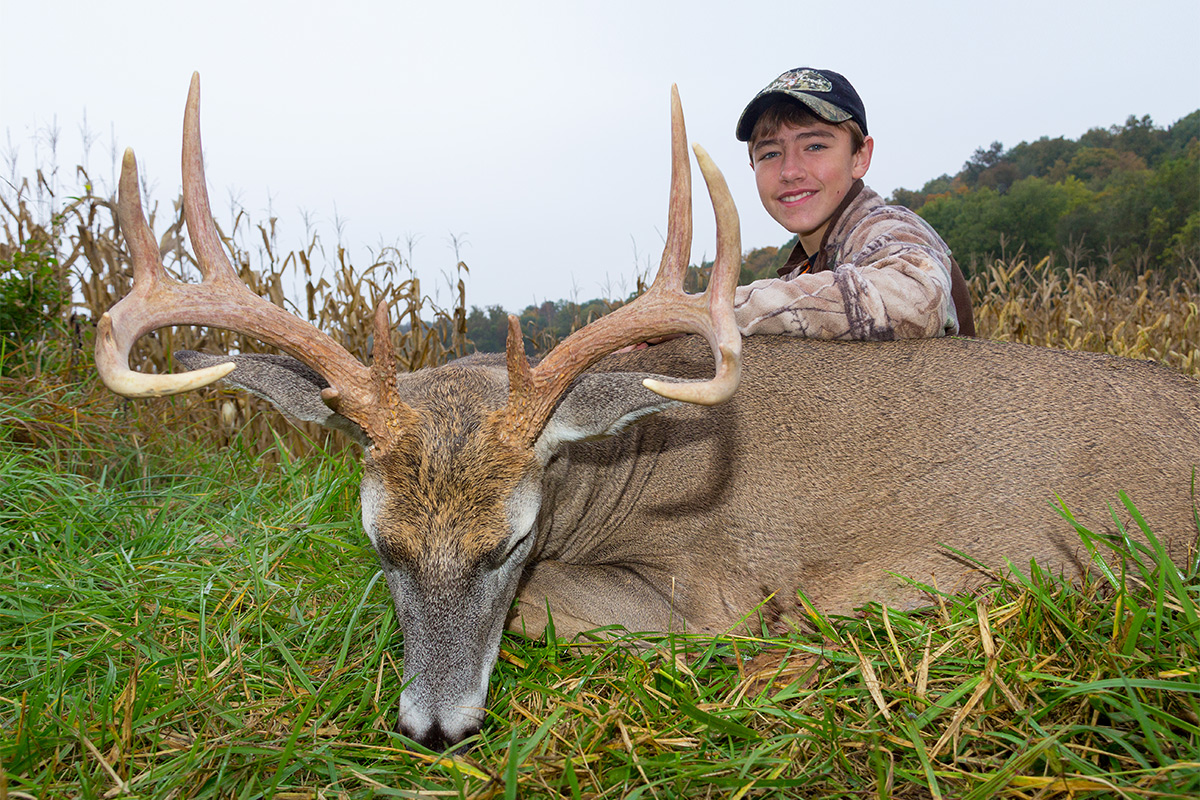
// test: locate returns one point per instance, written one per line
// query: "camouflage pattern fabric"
(888, 278)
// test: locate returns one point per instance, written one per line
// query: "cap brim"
(822, 108)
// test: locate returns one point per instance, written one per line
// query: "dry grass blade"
(891, 635)
(871, 680)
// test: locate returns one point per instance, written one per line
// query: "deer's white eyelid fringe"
(128, 383)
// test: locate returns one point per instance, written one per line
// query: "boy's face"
(803, 172)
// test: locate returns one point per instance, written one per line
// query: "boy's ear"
(862, 159)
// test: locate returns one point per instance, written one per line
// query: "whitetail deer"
(838, 470)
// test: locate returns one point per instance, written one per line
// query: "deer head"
(453, 457)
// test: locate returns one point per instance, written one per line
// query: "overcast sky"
(538, 132)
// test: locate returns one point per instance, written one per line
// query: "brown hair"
(792, 112)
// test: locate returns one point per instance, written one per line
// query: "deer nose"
(434, 737)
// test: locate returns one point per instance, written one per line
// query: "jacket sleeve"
(894, 284)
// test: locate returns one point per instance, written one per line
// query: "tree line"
(1125, 197)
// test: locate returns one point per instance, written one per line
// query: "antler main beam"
(664, 309)
(221, 300)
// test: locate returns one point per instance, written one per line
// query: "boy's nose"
(793, 168)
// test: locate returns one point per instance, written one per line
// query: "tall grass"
(223, 632)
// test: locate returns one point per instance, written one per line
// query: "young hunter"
(862, 269)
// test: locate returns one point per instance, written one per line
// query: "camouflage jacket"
(881, 273)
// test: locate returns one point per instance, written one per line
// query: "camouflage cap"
(828, 94)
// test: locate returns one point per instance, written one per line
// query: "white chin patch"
(522, 507)
(371, 496)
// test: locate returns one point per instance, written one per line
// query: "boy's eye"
(768, 154)
(815, 146)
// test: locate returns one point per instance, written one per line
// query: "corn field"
(1137, 316)
(1140, 316)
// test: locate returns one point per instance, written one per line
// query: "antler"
(366, 396)
(664, 309)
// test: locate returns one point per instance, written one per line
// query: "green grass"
(221, 631)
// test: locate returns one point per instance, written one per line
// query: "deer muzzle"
(452, 636)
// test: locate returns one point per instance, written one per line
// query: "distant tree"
(1185, 243)
(914, 200)
(907, 198)
(969, 221)
(1130, 191)
(1097, 137)
(1037, 159)
(1031, 211)
(1138, 136)
(1141, 217)
(1094, 165)
(487, 329)
(984, 223)
(1175, 191)
(1142, 138)
(762, 262)
(1000, 176)
(982, 159)
(1182, 134)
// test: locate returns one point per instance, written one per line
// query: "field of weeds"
(189, 607)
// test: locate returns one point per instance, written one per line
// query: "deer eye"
(505, 550)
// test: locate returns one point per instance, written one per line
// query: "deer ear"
(290, 385)
(599, 405)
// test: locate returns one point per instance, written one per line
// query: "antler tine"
(143, 249)
(202, 230)
(222, 300)
(677, 251)
(722, 331)
(664, 309)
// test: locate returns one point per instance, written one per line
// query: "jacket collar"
(817, 262)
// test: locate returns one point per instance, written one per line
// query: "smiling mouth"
(796, 197)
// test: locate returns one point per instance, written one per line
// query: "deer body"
(495, 491)
(838, 464)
